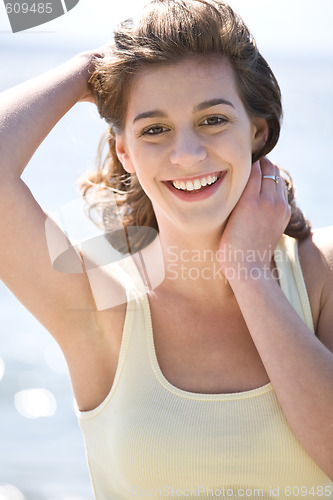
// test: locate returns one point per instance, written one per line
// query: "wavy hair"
(166, 32)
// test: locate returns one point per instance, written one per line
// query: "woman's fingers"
(272, 182)
(265, 178)
(270, 179)
(274, 188)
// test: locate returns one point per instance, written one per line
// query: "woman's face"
(189, 139)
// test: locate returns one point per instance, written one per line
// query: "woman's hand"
(256, 224)
(89, 59)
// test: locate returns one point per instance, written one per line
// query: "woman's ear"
(123, 155)
(260, 134)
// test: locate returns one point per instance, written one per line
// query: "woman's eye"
(156, 130)
(214, 120)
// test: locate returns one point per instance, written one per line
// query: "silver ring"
(274, 178)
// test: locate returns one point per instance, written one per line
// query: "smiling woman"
(191, 375)
(112, 83)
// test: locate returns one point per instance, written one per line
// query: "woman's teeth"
(196, 184)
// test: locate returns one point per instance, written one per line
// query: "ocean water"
(43, 458)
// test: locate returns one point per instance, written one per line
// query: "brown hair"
(166, 32)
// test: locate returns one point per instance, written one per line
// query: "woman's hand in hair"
(256, 223)
(89, 59)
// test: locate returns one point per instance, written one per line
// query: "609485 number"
(304, 491)
(24, 8)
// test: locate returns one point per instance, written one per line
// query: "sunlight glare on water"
(9, 492)
(35, 403)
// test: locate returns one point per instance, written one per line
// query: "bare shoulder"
(317, 250)
(316, 258)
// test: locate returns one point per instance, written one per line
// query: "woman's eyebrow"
(150, 114)
(212, 102)
(203, 105)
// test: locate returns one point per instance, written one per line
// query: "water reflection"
(67, 497)
(35, 403)
(31, 380)
(10, 492)
(2, 371)
(55, 359)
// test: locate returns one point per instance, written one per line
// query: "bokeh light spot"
(9, 492)
(35, 403)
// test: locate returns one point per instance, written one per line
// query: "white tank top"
(150, 439)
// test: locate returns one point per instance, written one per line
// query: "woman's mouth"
(196, 188)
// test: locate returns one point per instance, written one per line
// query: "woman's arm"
(28, 113)
(299, 364)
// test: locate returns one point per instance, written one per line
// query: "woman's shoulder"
(323, 240)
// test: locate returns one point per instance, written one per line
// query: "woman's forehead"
(190, 78)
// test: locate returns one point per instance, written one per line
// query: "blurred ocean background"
(41, 449)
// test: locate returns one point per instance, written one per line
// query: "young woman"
(202, 364)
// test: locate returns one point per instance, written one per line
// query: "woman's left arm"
(299, 363)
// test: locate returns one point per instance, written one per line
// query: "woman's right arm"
(28, 112)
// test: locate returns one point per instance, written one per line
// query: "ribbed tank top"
(150, 439)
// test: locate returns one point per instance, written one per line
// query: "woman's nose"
(187, 149)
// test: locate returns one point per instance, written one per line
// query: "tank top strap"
(291, 278)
